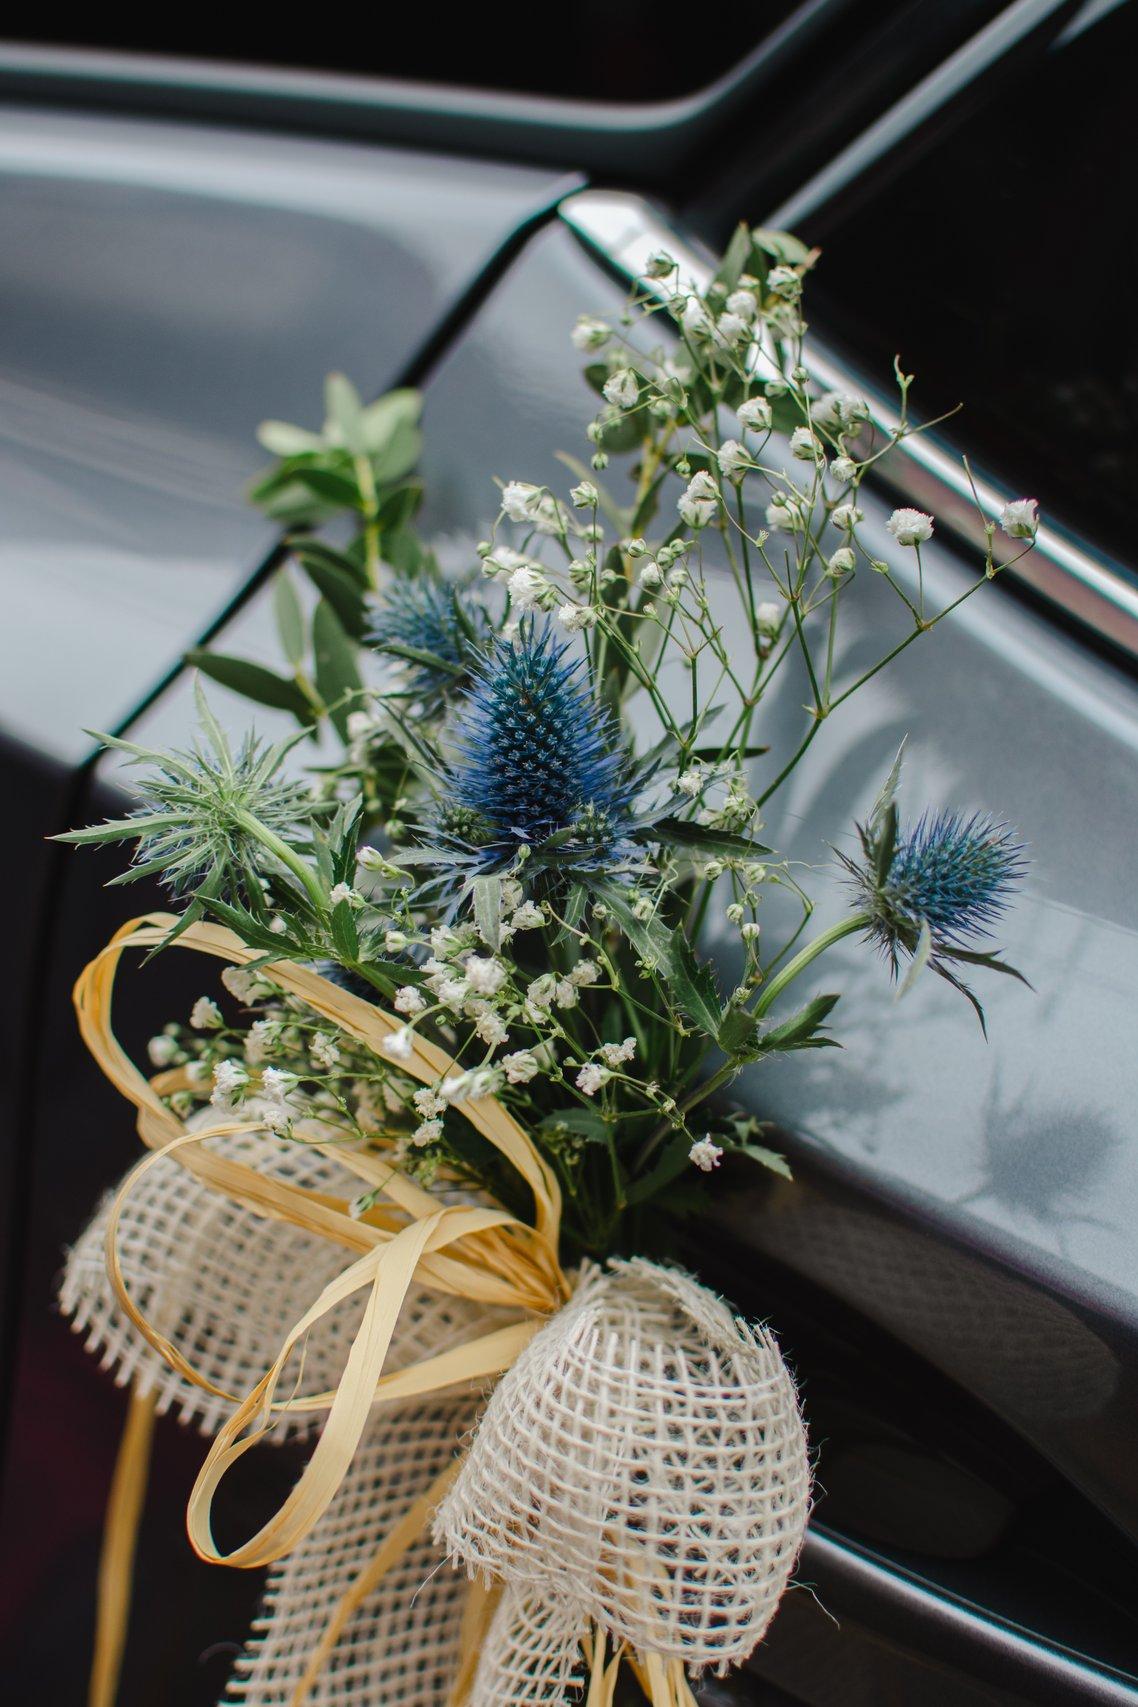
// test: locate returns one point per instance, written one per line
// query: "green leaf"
(888, 791)
(310, 551)
(289, 617)
(780, 246)
(800, 1031)
(281, 438)
(253, 681)
(681, 832)
(400, 452)
(341, 590)
(587, 1123)
(768, 1158)
(735, 258)
(337, 674)
(344, 933)
(692, 985)
(486, 893)
(737, 1033)
(382, 418)
(345, 412)
(919, 961)
(398, 508)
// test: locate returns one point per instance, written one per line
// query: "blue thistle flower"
(956, 874)
(536, 764)
(933, 891)
(426, 616)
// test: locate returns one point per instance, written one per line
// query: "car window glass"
(998, 259)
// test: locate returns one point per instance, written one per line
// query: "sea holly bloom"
(536, 769)
(932, 893)
(435, 619)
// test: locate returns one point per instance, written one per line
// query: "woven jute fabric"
(643, 1464)
(224, 1285)
(533, 1654)
(220, 1282)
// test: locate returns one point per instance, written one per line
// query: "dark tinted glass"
(999, 259)
(614, 50)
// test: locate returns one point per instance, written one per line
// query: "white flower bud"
(622, 389)
(590, 333)
(755, 415)
(733, 460)
(805, 445)
(1019, 519)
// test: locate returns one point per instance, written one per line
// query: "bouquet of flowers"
(470, 1057)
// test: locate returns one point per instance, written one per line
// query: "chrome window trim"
(624, 230)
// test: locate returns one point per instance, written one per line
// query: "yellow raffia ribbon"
(481, 1254)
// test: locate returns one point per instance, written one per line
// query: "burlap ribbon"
(501, 1280)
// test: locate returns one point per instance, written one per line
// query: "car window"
(998, 258)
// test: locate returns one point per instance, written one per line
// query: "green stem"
(366, 482)
(844, 927)
(287, 856)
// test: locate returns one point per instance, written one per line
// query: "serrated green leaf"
(768, 1158)
(737, 1032)
(800, 1030)
(344, 933)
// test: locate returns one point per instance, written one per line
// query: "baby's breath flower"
(590, 333)
(490, 1028)
(805, 445)
(649, 575)
(485, 974)
(520, 1067)
(427, 1133)
(909, 527)
(755, 415)
(659, 265)
(838, 411)
(622, 389)
(325, 1050)
(228, 1079)
(698, 503)
(408, 1000)
(344, 892)
(240, 984)
(529, 917)
(163, 1051)
(520, 500)
(584, 496)
(1019, 519)
(526, 586)
(742, 304)
(733, 460)
(574, 618)
(768, 615)
(428, 1102)
(205, 1015)
(705, 1155)
(843, 468)
(847, 516)
(785, 282)
(840, 563)
(399, 1044)
(591, 1077)
(615, 1054)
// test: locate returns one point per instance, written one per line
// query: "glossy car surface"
(953, 1269)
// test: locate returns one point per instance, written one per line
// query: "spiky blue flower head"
(536, 757)
(430, 617)
(955, 873)
(935, 890)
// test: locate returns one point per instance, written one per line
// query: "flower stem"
(844, 927)
(287, 856)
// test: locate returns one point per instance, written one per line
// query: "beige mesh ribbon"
(638, 1486)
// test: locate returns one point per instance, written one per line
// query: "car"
(191, 246)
